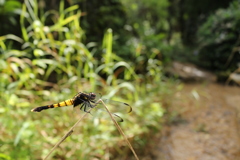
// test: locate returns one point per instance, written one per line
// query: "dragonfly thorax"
(92, 96)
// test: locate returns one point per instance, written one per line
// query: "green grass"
(51, 69)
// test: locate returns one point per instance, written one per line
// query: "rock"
(235, 77)
(190, 72)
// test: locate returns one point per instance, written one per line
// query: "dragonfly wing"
(116, 106)
(103, 114)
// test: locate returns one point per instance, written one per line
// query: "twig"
(68, 133)
(80, 119)
(120, 130)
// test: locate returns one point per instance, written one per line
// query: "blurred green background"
(50, 50)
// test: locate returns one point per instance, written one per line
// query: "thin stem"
(68, 133)
(119, 129)
(80, 119)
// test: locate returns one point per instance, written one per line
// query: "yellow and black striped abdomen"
(60, 104)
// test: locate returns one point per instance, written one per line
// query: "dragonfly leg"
(84, 107)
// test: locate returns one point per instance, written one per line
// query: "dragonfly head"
(92, 96)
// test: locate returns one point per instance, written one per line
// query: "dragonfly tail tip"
(35, 110)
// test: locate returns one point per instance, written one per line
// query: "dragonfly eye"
(92, 96)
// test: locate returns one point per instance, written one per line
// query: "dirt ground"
(207, 127)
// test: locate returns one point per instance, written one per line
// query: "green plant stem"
(120, 130)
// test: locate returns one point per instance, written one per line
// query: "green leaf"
(20, 133)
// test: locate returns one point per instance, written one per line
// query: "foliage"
(219, 39)
(136, 24)
(151, 13)
(52, 66)
(148, 25)
(9, 15)
(98, 17)
(187, 16)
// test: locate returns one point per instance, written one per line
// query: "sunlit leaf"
(4, 157)
(43, 62)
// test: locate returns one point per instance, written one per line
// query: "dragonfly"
(86, 101)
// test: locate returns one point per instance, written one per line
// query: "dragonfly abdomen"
(60, 104)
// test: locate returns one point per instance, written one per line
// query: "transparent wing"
(116, 106)
(117, 109)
